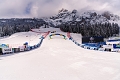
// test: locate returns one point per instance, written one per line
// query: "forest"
(11, 26)
(87, 30)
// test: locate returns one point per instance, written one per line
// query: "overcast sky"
(43, 8)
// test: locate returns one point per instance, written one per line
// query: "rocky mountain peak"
(88, 17)
(62, 11)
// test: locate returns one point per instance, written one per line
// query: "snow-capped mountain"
(89, 17)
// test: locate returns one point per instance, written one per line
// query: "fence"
(24, 47)
(92, 46)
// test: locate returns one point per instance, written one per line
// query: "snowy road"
(59, 59)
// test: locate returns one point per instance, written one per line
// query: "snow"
(57, 59)
(18, 39)
(77, 37)
(90, 16)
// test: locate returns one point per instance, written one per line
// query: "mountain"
(88, 17)
(88, 23)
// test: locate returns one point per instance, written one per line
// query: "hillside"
(107, 23)
(58, 59)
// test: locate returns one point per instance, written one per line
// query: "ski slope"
(18, 39)
(60, 59)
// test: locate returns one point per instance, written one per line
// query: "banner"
(6, 50)
(22, 48)
(116, 46)
(92, 39)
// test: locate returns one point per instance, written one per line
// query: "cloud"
(43, 8)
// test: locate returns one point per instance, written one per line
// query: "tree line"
(11, 26)
(87, 30)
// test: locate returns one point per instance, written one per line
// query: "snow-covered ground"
(77, 37)
(57, 59)
(18, 39)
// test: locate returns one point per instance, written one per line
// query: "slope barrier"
(70, 38)
(90, 46)
(23, 48)
(44, 36)
(37, 31)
